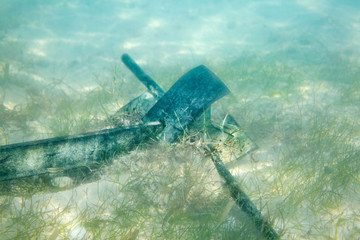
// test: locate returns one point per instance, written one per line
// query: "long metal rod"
(38, 157)
(149, 83)
(240, 198)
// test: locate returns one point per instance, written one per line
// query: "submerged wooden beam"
(43, 156)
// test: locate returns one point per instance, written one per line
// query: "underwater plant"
(304, 178)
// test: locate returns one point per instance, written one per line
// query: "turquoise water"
(292, 68)
(72, 40)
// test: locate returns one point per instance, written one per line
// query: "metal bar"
(38, 157)
(240, 197)
(149, 83)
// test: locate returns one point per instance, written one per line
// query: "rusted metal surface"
(186, 100)
(39, 157)
(184, 107)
